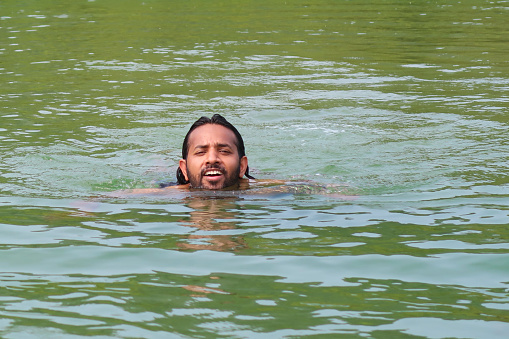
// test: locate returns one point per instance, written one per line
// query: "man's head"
(213, 155)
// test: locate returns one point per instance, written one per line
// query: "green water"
(404, 103)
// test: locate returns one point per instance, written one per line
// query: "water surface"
(403, 103)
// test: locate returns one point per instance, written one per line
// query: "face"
(212, 160)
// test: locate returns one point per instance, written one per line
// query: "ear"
(243, 166)
(183, 168)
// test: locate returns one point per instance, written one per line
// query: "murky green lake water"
(404, 102)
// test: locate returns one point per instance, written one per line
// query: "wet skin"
(213, 160)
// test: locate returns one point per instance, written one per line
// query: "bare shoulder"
(267, 182)
(246, 187)
(271, 186)
(169, 190)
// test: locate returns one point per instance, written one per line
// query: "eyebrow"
(220, 145)
(224, 145)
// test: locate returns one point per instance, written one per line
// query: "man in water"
(214, 158)
(213, 155)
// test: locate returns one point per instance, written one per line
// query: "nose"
(212, 157)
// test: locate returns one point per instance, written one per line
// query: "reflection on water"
(405, 104)
(209, 215)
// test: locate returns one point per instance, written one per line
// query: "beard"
(199, 180)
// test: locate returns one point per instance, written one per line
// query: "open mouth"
(212, 173)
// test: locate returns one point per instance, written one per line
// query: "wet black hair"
(216, 119)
